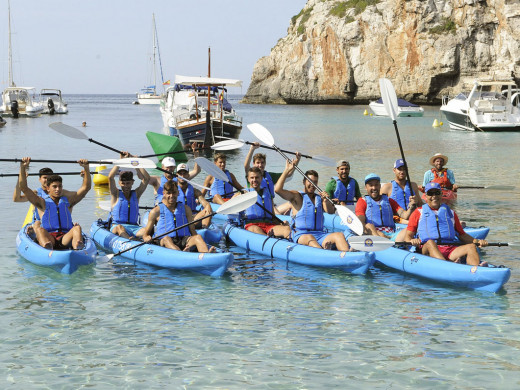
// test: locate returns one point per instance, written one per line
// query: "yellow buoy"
(441, 123)
(435, 123)
(365, 113)
(99, 179)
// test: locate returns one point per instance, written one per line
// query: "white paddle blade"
(67, 130)
(389, 97)
(196, 185)
(261, 133)
(109, 162)
(349, 219)
(135, 162)
(230, 144)
(238, 203)
(105, 205)
(369, 243)
(326, 161)
(211, 169)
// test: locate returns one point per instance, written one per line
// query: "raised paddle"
(37, 174)
(232, 206)
(377, 243)
(72, 132)
(390, 102)
(495, 187)
(217, 173)
(106, 205)
(347, 217)
(231, 144)
(177, 152)
(132, 162)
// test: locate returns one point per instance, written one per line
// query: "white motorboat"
(18, 101)
(2, 122)
(186, 106)
(404, 108)
(52, 102)
(149, 95)
(488, 107)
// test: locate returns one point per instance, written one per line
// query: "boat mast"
(10, 53)
(158, 53)
(154, 48)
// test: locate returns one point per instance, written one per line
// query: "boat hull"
(149, 99)
(380, 110)
(64, 261)
(352, 262)
(196, 132)
(460, 275)
(212, 264)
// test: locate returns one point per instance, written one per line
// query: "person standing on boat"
(191, 196)
(439, 229)
(125, 201)
(56, 230)
(376, 211)
(343, 189)
(171, 214)
(400, 190)
(260, 219)
(269, 179)
(440, 174)
(307, 210)
(221, 191)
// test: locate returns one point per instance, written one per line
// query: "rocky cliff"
(336, 51)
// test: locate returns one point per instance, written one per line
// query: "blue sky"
(94, 46)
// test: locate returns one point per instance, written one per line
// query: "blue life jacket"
(57, 217)
(379, 213)
(267, 182)
(400, 196)
(255, 211)
(345, 194)
(125, 211)
(169, 221)
(42, 194)
(438, 226)
(160, 191)
(188, 197)
(310, 216)
(221, 187)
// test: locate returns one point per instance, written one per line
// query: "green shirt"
(330, 188)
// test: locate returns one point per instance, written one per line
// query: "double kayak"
(353, 262)
(65, 261)
(213, 264)
(490, 278)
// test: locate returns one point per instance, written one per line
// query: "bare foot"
(484, 264)
(186, 249)
(212, 250)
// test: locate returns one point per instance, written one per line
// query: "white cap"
(182, 167)
(168, 162)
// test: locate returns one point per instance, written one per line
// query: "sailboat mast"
(154, 49)
(10, 53)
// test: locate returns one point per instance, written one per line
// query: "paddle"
(131, 162)
(37, 174)
(376, 243)
(232, 206)
(72, 132)
(347, 217)
(496, 187)
(218, 173)
(106, 205)
(177, 152)
(390, 102)
(231, 144)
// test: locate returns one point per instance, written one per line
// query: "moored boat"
(213, 264)
(352, 262)
(404, 108)
(52, 102)
(490, 278)
(65, 261)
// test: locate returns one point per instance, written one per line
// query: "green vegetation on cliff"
(305, 14)
(446, 26)
(341, 7)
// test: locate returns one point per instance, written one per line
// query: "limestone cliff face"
(427, 48)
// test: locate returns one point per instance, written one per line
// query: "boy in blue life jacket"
(57, 229)
(192, 197)
(221, 191)
(125, 201)
(439, 229)
(343, 189)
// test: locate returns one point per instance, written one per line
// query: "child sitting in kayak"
(221, 190)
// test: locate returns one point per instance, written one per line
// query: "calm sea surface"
(264, 324)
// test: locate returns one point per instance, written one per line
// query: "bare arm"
(291, 196)
(17, 194)
(207, 183)
(202, 201)
(144, 182)
(85, 186)
(196, 169)
(249, 157)
(327, 205)
(155, 182)
(112, 187)
(235, 183)
(189, 217)
(22, 181)
(386, 189)
(152, 220)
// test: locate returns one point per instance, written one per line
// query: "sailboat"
(148, 95)
(18, 101)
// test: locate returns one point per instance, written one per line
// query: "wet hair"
(255, 170)
(45, 172)
(170, 186)
(220, 156)
(311, 172)
(126, 176)
(259, 156)
(53, 178)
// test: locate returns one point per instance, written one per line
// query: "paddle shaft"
(456, 243)
(54, 161)
(177, 152)
(37, 174)
(105, 146)
(273, 148)
(402, 156)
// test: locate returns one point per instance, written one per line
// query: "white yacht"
(404, 108)
(488, 107)
(52, 102)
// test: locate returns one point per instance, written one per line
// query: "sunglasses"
(434, 193)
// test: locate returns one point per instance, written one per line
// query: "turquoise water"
(265, 324)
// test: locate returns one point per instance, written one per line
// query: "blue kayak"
(65, 261)
(213, 264)
(353, 262)
(490, 278)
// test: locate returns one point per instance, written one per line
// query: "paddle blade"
(108, 160)
(67, 130)
(349, 219)
(369, 243)
(238, 203)
(327, 161)
(230, 144)
(211, 169)
(389, 97)
(261, 133)
(110, 256)
(135, 162)
(105, 205)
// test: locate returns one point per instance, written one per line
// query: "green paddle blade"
(162, 143)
